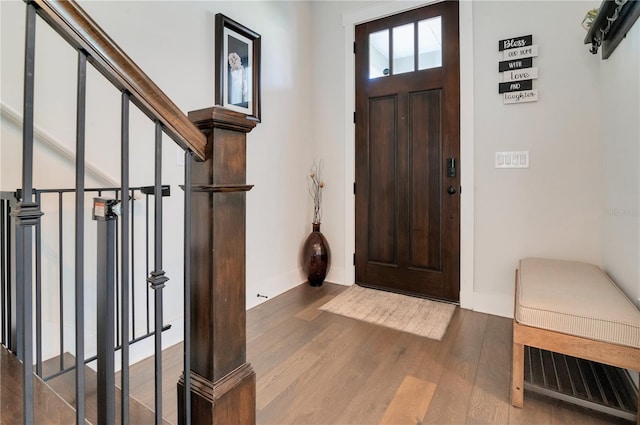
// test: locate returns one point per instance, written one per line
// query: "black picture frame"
(237, 67)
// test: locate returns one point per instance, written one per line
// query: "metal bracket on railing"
(105, 209)
(151, 190)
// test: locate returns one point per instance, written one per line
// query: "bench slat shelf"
(604, 388)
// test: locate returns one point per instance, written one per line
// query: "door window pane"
(379, 54)
(403, 42)
(429, 43)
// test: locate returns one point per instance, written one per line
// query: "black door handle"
(451, 190)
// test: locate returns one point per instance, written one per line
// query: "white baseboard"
(273, 286)
(466, 300)
(492, 303)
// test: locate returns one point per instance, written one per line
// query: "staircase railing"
(93, 45)
(84, 34)
(53, 285)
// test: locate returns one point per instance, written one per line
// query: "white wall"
(556, 208)
(278, 152)
(619, 85)
(553, 208)
(173, 43)
(329, 123)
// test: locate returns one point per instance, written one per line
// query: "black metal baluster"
(157, 279)
(124, 152)
(188, 157)
(11, 278)
(60, 284)
(147, 258)
(3, 267)
(106, 219)
(132, 263)
(117, 275)
(27, 215)
(38, 293)
(19, 279)
(79, 236)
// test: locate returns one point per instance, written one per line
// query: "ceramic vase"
(316, 256)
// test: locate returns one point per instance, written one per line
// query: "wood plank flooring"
(315, 367)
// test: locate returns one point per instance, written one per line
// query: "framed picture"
(237, 76)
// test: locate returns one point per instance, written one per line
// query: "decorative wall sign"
(521, 96)
(520, 74)
(516, 64)
(513, 43)
(520, 52)
(517, 70)
(237, 73)
(515, 86)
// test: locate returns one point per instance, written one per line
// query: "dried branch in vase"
(315, 189)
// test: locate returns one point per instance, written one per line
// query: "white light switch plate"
(519, 159)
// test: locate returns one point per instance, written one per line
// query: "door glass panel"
(403, 42)
(379, 54)
(429, 43)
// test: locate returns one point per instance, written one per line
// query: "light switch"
(518, 159)
(523, 158)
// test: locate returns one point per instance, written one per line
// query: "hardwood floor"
(315, 367)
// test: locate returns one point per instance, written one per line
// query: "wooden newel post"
(223, 384)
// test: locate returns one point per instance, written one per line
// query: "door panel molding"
(425, 184)
(382, 191)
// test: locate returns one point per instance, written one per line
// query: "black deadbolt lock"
(451, 167)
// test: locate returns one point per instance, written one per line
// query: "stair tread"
(54, 399)
(65, 386)
(49, 407)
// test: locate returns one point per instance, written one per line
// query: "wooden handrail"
(82, 32)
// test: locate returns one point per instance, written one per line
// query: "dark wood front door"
(407, 152)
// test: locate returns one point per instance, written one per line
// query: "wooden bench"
(572, 308)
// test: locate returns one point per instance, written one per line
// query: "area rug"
(418, 316)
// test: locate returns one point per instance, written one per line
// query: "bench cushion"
(577, 299)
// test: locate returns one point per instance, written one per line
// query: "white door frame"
(349, 21)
